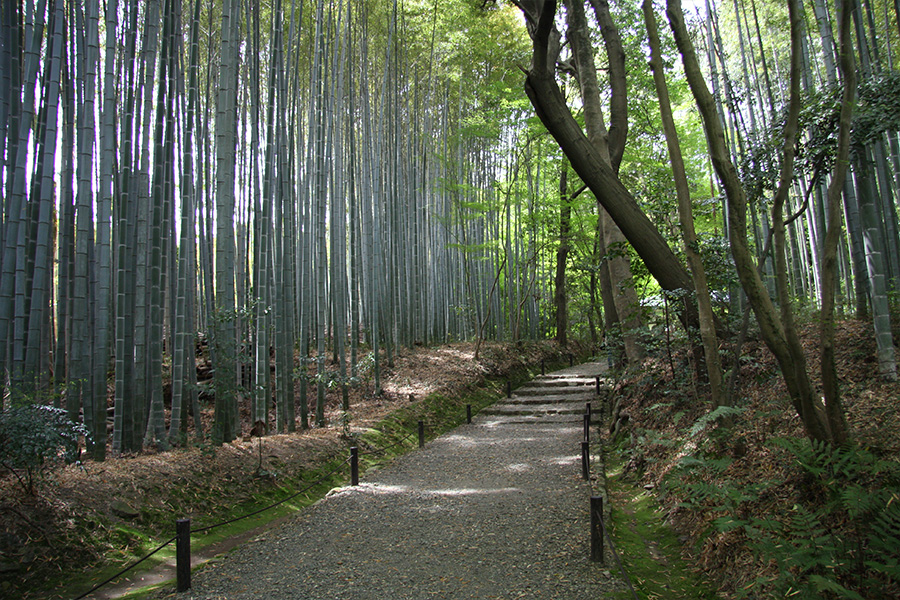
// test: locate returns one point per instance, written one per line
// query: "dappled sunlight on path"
(494, 509)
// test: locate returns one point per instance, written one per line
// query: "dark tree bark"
(562, 257)
(618, 282)
(837, 422)
(597, 174)
(777, 330)
(685, 212)
(618, 84)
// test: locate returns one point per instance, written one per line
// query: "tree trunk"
(562, 254)
(597, 174)
(837, 422)
(874, 251)
(226, 425)
(611, 146)
(685, 213)
(776, 333)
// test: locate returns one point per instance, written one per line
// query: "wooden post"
(183, 554)
(468, 413)
(354, 466)
(587, 427)
(585, 460)
(421, 433)
(508, 388)
(597, 529)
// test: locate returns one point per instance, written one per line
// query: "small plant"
(35, 436)
(347, 432)
(207, 446)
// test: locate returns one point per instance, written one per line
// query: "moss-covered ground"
(649, 550)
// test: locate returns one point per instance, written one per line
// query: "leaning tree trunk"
(551, 108)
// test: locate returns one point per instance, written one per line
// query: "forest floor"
(86, 519)
(762, 513)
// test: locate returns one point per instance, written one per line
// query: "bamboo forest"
(232, 220)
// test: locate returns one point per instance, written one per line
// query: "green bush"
(35, 436)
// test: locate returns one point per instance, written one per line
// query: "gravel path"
(494, 509)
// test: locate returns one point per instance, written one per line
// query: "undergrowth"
(647, 544)
(840, 538)
(766, 512)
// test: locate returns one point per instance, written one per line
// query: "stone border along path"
(496, 509)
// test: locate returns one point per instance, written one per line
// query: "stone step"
(528, 390)
(535, 409)
(542, 419)
(579, 399)
(550, 381)
(568, 375)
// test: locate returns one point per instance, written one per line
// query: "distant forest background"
(285, 193)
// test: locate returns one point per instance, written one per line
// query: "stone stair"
(559, 397)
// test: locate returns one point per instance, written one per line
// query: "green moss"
(649, 549)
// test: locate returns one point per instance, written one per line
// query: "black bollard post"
(468, 413)
(183, 554)
(421, 433)
(509, 389)
(587, 427)
(542, 367)
(588, 410)
(571, 360)
(354, 465)
(585, 460)
(597, 380)
(597, 529)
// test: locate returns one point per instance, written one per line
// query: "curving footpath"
(496, 509)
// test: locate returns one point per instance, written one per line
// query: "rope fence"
(176, 537)
(615, 554)
(126, 569)
(380, 451)
(183, 528)
(182, 538)
(319, 481)
(599, 532)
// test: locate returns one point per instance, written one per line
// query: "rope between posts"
(282, 501)
(612, 547)
(386, 448)
(310, 486)
(126, 569)
(615, 553)
(210, 527)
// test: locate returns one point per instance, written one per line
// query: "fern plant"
(841, 541)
